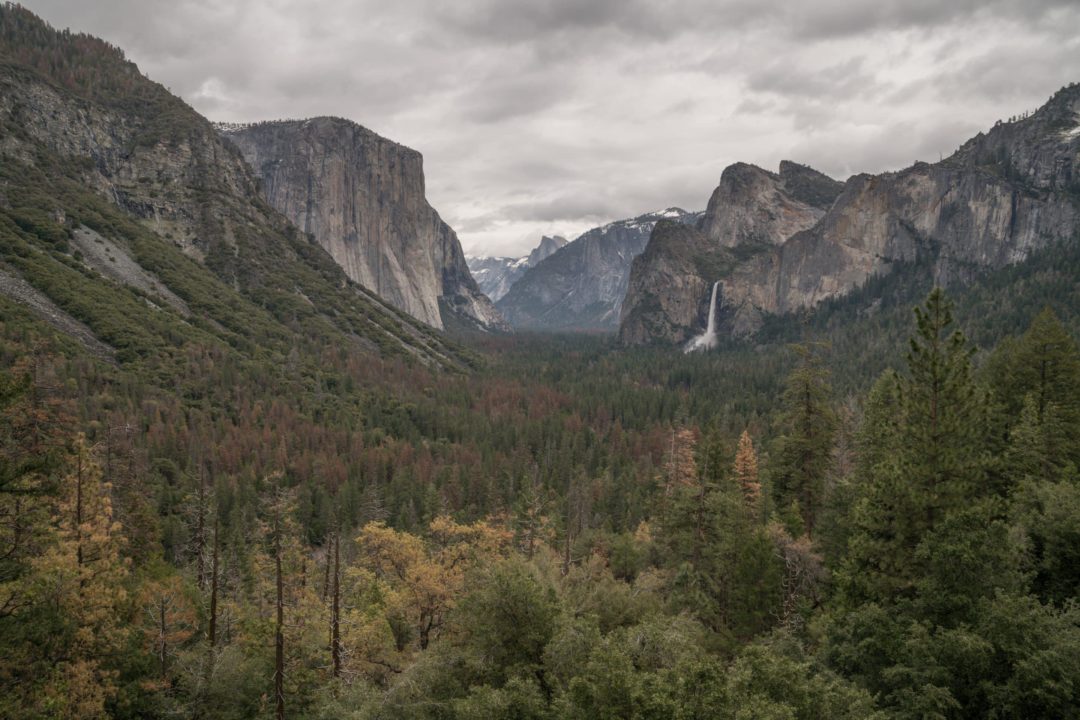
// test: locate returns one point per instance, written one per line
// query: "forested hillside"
(235, 485)
(522, 542)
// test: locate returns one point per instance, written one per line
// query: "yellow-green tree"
(80, 577)
(423, 577)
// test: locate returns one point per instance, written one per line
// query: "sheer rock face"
(547, 247)
(1002, 195)
(582, 286)
(751, 212)
(362, 198)
(496, 275)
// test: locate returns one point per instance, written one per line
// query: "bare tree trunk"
(214, 586)
(79, 510)
(566, 555)
(335, 615)
(279, 635)
(163, 635)
(326, 577)
(200, 532)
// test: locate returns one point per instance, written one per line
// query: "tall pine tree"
(803, 454)
(917, 469)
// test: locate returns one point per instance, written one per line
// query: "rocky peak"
(809, 186)
(496, 275)
(548, 245)
(757, 207)
(1034, 149)
(78, 119)
(362, 198)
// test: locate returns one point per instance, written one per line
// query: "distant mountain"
(783, 243)
(495, 275)
(361, 197)
(581, 286)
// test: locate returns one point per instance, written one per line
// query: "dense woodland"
(555, 535)
(314, 508)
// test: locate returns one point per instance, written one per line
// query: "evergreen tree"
(1045, 363)
(803, 456)
(927, 463)
(727, 572)
(78, 596)
(942, 436)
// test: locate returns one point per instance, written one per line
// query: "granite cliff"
(1002, 195)
(361, 197)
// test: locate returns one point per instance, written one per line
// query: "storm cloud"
(551, 116)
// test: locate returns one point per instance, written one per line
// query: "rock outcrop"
(1002, 195)
(754, 206)
(361, 197)
(581, 286)
(496, 275)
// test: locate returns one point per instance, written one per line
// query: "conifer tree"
(81, 576)
(920, 466)
(941, 435)
(1043, 362)
(804, 449)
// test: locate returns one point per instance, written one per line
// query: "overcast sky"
(555, 116)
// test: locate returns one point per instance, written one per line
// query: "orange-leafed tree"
(746, 472)
(82, 575)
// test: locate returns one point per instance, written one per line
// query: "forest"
(277, 497)
(568, 530)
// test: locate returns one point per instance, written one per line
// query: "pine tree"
(922, 458)
(82, 577)
(803, 457)
(942, 435)
(1044, 362)
(1041, 367)
(727, 572)
(168, 620)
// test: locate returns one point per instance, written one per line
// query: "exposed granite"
(361, 197)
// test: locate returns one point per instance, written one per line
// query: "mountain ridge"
(1003, 194)
(92, 145)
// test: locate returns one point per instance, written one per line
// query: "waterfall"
(708, 339)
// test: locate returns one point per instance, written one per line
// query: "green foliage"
(510, 618)
(1047, 514)
(726, 570)
(803, 453)
(928, 463)
(642, 584)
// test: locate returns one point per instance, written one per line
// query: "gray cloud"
(541, 116)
